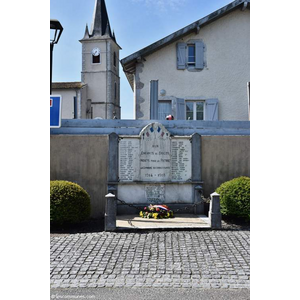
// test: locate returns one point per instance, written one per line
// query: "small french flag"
(164, 207)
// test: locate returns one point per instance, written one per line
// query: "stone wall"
(224, 158)
(82, 159)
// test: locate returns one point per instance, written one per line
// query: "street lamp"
(58, 29)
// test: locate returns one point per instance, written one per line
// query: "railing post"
(199, 209)
(214, 211)
(110, 219)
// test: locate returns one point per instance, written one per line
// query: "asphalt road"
(150, 293)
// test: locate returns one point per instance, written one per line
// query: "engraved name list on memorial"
(181, 159)
(129, 150)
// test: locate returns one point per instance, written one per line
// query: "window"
(190, 55)
(115, 59)
(96, 59)
(96, 56)
(164, 109)
(194, 110)
(115, 90)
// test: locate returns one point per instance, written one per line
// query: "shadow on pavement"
(91, 226)
(83, 227)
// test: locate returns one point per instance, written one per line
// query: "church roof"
(100, 27)
(100, 24)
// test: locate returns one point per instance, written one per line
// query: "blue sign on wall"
(55, 111)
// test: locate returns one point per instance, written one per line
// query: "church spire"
(86, 33)
(100, 24)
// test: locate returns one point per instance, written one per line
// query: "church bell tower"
(100, 66)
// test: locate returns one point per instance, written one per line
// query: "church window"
(96, 56)
(115, 59)
(96, 59)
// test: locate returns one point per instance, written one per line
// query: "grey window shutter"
(199, 55)
(211, 110)
(180, 109)
(153, 99)
(181, 56)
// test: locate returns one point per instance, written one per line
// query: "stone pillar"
(214, 211)
(113, 158)
(196, 158)
(196, 172)
(110, 221)
(113, 165)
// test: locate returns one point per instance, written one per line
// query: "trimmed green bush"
(235, 197)
(69, 202)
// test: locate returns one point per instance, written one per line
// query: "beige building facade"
(202, 70)
(74, 99)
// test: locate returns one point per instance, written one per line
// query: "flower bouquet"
(157, 212)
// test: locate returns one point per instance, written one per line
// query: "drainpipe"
(248, 94)
(106, 80)
(75, 107)
(109, 81)
(78, 95)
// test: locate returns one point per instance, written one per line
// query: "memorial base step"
(182, 221)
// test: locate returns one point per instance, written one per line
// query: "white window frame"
(195, 109)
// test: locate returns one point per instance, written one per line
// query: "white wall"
(227, 53)
(67, 102)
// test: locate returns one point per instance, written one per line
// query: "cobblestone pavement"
(187, 259)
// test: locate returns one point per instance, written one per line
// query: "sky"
(137, 24)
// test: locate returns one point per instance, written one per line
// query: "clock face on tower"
(96, 51)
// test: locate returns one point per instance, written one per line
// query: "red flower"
(145, 208)
(157, 209)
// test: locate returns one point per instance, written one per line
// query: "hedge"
(69, 202)
(235, 197)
